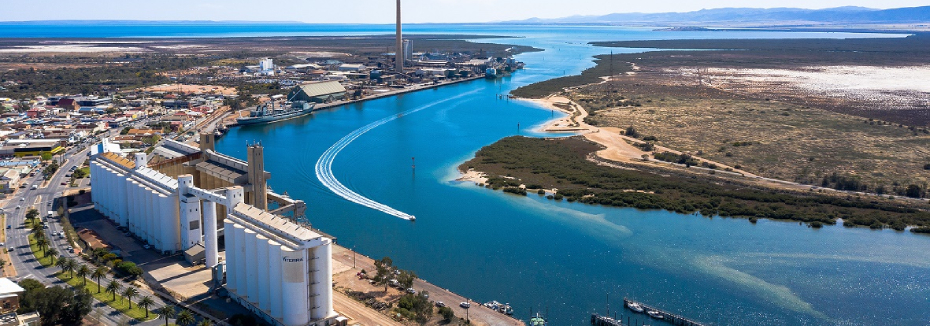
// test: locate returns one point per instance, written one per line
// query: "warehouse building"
(318, 92)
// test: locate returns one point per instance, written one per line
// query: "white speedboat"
(634, 306)
(654, 314)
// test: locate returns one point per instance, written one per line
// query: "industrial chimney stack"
(399, 49)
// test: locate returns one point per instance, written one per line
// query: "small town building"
(355, 67)
(30, 147)
(9, 303)
(8, 180)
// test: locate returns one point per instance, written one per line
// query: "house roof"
(66, 102)
(10, 174)
(9, 287)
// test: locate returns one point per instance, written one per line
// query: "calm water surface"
(539, 254)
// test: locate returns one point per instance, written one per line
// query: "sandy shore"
(617, 147)
(573, 122)
(473, 176)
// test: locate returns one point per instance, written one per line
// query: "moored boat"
(654, 314)
(636, 307)
(268, 113)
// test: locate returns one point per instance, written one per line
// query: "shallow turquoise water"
(561, 257)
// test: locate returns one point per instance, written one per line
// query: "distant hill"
(754, 16)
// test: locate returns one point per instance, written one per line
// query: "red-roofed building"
(69, 104)
(35, 112)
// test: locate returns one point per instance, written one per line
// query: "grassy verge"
(119, 303)
(70, 233)
(562, 164)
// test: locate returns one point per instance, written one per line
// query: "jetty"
(668, 317)
(598, 320)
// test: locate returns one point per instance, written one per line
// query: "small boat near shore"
(636, 307)
(504, 308)
(538, 321)
(654, 314)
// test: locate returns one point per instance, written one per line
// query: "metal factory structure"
(278, 269)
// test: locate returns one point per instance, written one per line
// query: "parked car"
(440, 304)
(465, 305)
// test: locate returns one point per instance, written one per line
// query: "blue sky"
(379, 11)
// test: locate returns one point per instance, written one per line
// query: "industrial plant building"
(318, 92)
(185, 198)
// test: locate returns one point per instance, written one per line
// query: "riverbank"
(347, 265)
(335, 104)
(414, 88)
(571, 165)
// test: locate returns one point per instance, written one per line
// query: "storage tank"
(251, 242)
(275, 276)
(261, 258)
(294, 287)
(229, 239)
(242, 277)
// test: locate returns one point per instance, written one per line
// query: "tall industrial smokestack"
(399, 49)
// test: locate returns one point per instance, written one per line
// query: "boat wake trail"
(324, 166)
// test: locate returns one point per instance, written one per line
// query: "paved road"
(18, 244)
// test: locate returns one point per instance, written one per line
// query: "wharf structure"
(186, 197)
(668, 317)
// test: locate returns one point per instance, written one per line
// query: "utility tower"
(399, 48)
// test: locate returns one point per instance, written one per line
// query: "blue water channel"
(566, 258)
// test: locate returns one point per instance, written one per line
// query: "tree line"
(563, 164)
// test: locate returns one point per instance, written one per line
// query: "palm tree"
(166, 312)
(32, 214)
(82, 272)
(205, 322)
(62, 263)
(67, 265)
(98, 274)
(145, 303)
(114, 287)
(36, 229)
(129, 293)
(185, 318)
(41, 242)
(52, 252)
(72, 266)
